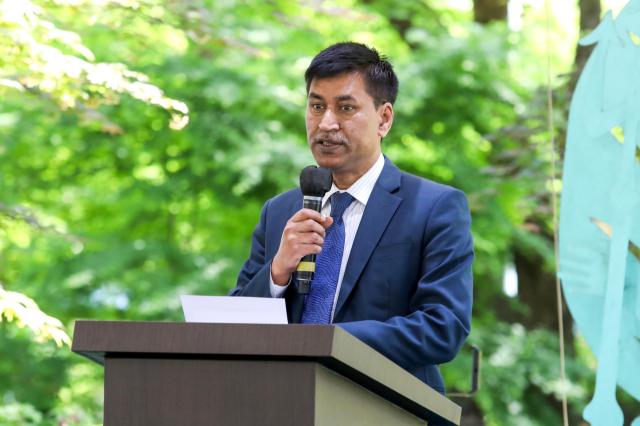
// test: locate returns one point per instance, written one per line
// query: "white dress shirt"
(360, 191)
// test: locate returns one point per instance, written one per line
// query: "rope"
(552, 147)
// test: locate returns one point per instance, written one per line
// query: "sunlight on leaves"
(55, 65)
(18, 308)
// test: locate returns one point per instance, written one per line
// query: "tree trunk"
(485, 11)
(537, 291)
(589, 19)
(536, 285)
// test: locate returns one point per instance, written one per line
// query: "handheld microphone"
(314, 183)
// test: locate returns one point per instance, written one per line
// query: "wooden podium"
(192, 374)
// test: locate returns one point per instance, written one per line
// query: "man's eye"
(317, 107)
(347, 108)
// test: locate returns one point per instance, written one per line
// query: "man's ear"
(386, 119)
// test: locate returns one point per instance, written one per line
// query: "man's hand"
(303, 235)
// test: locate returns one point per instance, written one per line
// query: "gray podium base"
(191, 374)
(163, 392)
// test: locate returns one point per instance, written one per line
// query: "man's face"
(344, 128)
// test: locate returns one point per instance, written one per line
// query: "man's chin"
(329, 162)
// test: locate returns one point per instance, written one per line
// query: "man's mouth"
(329, 142)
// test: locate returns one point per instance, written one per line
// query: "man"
(396, 272)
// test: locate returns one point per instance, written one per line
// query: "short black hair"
(347, 57)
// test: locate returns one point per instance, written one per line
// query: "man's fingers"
(311, 238)
(304, 234)
(308, 216)
(300, 243)
(294, 229)
(310, 225)
(328, 222)
(304, 214)
(311, 248)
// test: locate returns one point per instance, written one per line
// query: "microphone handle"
(307, 266)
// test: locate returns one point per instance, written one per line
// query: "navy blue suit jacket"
(407, 287)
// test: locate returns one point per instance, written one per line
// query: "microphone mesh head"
(315, 181)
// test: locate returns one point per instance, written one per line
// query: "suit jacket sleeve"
(254, 277)
(439, 316)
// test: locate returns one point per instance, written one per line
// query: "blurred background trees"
(139, 139)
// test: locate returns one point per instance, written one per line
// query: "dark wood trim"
(330, 346)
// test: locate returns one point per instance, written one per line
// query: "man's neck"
(345, 180)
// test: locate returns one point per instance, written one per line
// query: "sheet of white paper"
(235, 310)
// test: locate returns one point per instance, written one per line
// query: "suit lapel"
(380, 209)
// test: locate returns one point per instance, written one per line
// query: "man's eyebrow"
(345, 98)
(337, 98)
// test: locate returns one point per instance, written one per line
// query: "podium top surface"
(328, 345)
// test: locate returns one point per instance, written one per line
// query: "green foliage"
(109, 211)
(52, 63)
(25, 312)
(525, 366)
(16, 414)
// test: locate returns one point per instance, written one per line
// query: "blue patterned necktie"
(319, 302)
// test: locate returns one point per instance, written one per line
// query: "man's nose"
(329, 121)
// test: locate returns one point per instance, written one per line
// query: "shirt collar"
(362, 188)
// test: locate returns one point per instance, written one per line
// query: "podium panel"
(195, 374)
